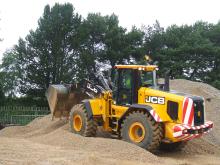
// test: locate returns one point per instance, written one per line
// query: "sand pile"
(56, 133)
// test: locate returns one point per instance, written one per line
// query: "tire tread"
(91, 124)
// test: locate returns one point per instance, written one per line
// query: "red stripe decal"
(177, 129)
(154, 114)
(158, 118)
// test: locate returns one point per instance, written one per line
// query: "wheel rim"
(77, 123)
(136, 132)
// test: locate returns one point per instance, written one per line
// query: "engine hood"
(193, 97)
(171, 95)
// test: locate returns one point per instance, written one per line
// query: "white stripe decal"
(188, 127)
(177, 134)
(188, 111)
(155, 116)
(189, 136)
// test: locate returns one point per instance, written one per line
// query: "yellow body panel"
(101, 106)
(168, 130)
(119, 110)
(98, 106)
(161, 109)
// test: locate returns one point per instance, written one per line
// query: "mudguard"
(87, 105)
(146, 108)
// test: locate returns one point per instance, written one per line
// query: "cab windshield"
(148, 79)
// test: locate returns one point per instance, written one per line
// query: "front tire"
(141, 129)
(80, 123)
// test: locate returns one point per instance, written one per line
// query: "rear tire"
(141, 129)
(80, 123)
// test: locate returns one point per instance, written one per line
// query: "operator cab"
(128, 80)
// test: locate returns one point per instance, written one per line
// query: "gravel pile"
(56, 133)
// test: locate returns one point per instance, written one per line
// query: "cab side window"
(125, 87)
(126, 80)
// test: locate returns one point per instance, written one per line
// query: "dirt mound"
(56, 133)
(197, 88)
(18, 151)
(212, 103)
(37, 127)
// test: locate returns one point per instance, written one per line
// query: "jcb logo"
(155, 100)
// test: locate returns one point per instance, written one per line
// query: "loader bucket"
(62, 98)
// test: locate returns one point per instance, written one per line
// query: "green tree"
(0, 37)
(185, 49)
(66, 48)
(189, 51)
(90, 38)
(10, 73)
(121, 46)
(213, 76)
(103, 41)
(47, 54)
(2, 96)
(154, 44)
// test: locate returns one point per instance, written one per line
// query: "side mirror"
(167, 80)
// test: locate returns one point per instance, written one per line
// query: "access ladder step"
(115, 122)
(114, 129)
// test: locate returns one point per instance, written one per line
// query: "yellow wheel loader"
(137, 108)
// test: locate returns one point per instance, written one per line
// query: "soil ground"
(46, 142)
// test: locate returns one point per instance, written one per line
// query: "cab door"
(124, 87)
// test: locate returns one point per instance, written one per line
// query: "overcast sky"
(19, 16)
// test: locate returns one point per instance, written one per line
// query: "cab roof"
(138, 67)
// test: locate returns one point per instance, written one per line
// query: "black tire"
(88, 126)
(152, 130)
(171, 147)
